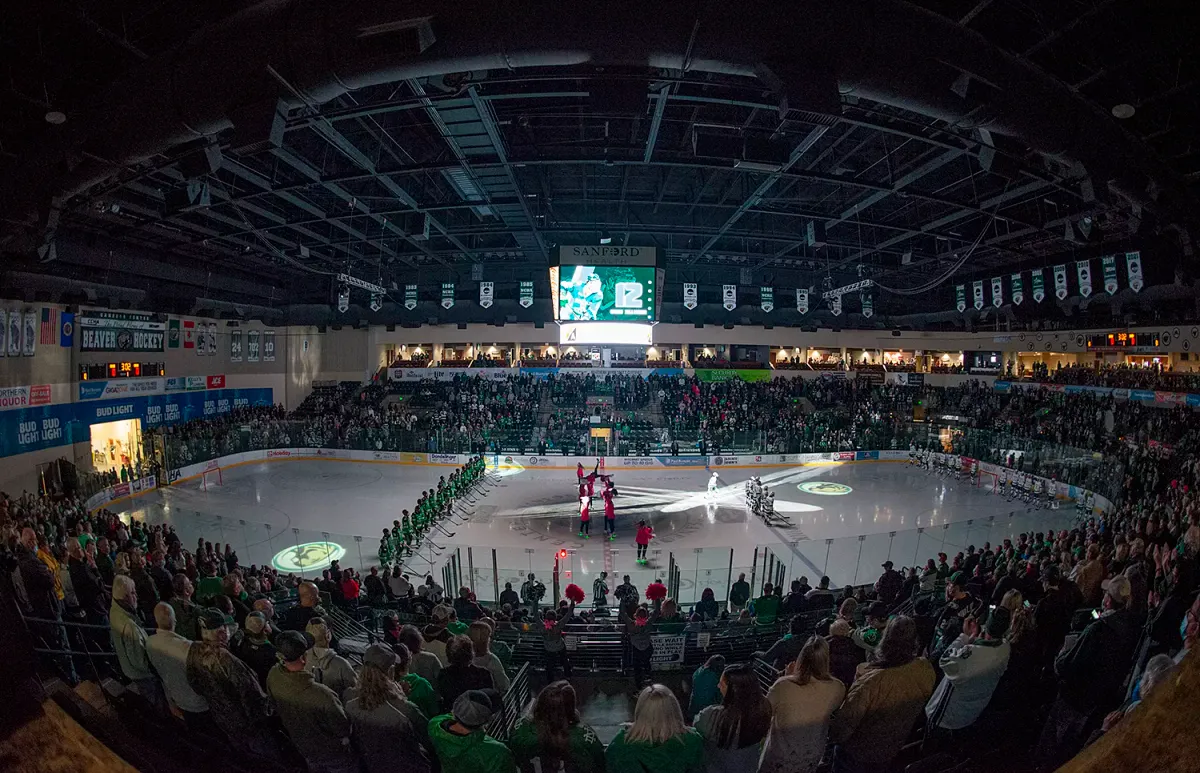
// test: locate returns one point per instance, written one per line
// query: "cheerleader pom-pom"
(575, 593)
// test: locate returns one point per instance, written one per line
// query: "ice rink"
(847, 518)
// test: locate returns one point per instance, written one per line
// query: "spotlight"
(605, 237)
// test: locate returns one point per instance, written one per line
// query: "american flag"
(48, 335)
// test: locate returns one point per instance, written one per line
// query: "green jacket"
(312, 715)
(585, 753)
(766, 609)
(474, 753)
(682, 754)
(421, 694)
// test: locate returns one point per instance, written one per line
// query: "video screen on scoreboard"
(603, 293)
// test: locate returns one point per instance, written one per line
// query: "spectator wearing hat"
(459, 739)
(255, 648)
(238, 704)
(390, 732)
(972, 667)
(326, 666)
(168, 652)
(1091, 673)
(867, 637)
(312, 714)
(889, 584)
(436, 635)
(949, 623)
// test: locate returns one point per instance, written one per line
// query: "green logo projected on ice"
(824, 488)
(308, 556)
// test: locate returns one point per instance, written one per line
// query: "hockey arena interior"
(571, 388)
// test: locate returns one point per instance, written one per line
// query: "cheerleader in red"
(585, 517)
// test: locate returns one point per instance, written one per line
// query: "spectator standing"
(387, 731)
(734, 731)
(238, 704)
(889, 584)
(821, 597)
(424, 664)
(793, 603)
(480, 634)
(323, 663)
(168, 653)
(1053, 614)
(802, 704)
(418, 689)
(707, 607)
(949, 623)
(972, 668)
(436, 633)
(255, 648)
(398, 584)
(706, 685)
(459, 739)
(739, 593)
(766, 606)
(844, 655)
(639, 630)
(460, 675)
(187, 613)
(311, 713)
(376, 590)
(307, 607)
(44, 602)
(1088, 575)
(553, 642)
(509, 596)
(657, 739)
(552, 737)
(869, 635)
(882, 706)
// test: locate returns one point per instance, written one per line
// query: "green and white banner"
(835, 305)
(410, 297)
(729, 297)
(1109, 263)
(689, 295)
(997, 291)
(1039, 286)
(526, 295)
(1018, 291)
(802, 300)
(486, 293)
(977, 291)
(766, 299)
(960, 297)
(1060, 281)
(447, 295)
(1083, 269)
(868, 304)
(1133, 270)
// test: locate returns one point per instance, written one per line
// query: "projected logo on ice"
(308, 556)
(824, 488)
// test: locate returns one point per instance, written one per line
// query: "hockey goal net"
(210, 477)
(988, 481)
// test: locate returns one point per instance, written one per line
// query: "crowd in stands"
(1118, 376)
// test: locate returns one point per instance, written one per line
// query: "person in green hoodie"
(461, 744)
(657, 740)
(766, 607)
(552, 737)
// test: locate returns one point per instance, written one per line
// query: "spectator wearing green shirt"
(552, 735)
(417, 688)
(459, 739)
(657, 740)
(766, 606)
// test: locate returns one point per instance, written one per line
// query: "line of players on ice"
(1013, 484)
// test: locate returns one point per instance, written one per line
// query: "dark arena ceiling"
(233, 157)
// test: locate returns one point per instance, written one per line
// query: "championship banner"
(252, 346)
(268, 346)
(960, 296)
(977, 291)
(14, 334)
(1083, 269)
(729, 297)
(802, 300)
(689, 295)
(526, 295)
(766, 299)
(997, 291)
(1109, 264)
(211, 334)
(1060, 281)
(447, 295)
(486, 292)
(1018, 291)
(1039, 286)
(835, 305)
(235, 346)
(868, 304)
(1133, 270)
(410, 297)
(29, 333)
(173, 336)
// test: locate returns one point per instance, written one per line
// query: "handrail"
(513, 705)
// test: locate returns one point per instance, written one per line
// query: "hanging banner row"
(1083, 282)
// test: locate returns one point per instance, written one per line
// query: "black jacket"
(89, 588)
(39, 585)
(1092, 672)
(453, 681)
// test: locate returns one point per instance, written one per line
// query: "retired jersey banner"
(447, 295)
(802, 300)
(729, 297)
(766, 298)
(486, 292)
(1109, 264)
(977, 292)
(173, 336)
(14, 334)
(235, 346)
(868, 304)
(835, 305)
(960, 298)
(997, 291)
(252, 346)
(689, 295)
(526, 299)
(1133, 270)
(1083, 269)
(29, 333)
(268, 346)
(1039, 286)
(210, 335)
(1060, 281)
(410, 297)
(1018, 291)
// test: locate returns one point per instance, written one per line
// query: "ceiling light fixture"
(605, 237)
(56, 117)
(1123, 110)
